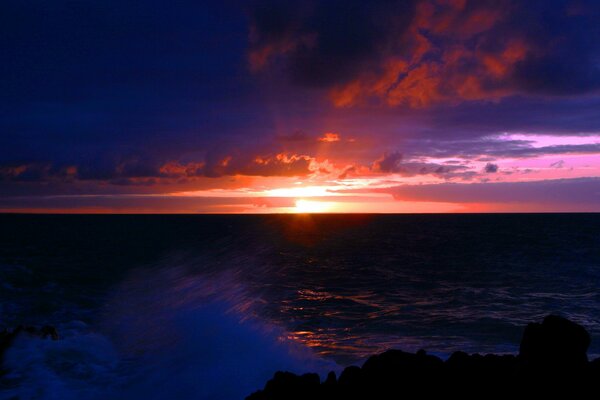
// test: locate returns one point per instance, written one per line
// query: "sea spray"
(165, 333)
(81, 365)
(198, 335)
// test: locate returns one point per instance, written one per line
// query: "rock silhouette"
(552, 360)
(555, 343)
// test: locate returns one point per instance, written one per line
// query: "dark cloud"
(567, 39)
(389, 162)
(272, 165)
(137, 171)
(394, 163)
(490, 168)
(326, 42)
(415, 168)
(37, 172)
(492, 148)
(84, 79)
(424, 52)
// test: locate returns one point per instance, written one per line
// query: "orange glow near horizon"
(311, 206)
(343, 188)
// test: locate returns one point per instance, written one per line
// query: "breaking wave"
(164, 333)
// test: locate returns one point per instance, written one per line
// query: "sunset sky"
(308, 106)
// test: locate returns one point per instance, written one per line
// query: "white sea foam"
(165, 334)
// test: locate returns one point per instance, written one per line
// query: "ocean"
(210, 306)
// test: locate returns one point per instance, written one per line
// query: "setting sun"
(311, 206)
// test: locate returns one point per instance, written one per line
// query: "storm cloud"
(417, 53)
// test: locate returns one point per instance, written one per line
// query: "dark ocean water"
(209, 307)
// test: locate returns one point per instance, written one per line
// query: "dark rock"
(595, 367)
(556, 343)
(331, 379)
(290, 386)
(405, 368)
(552, 359)
(329, 389)
(310, 380)
(350, 376)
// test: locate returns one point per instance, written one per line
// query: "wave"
(165, 333)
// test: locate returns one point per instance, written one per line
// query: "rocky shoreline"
(552, 360)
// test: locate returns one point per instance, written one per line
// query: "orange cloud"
(13, 171)
(447, 53)
(330, 137)
(264, 49)
(429, 73)
(38, 172)
(175, 169)
(414, 54)
(279, 165)
(499, 64)
(460, 74)
(274, 165)
(420, 87)
(346, 95)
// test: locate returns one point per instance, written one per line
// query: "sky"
(309, 106)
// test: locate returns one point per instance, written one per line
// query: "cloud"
(136, 171)
(414, 168)
(389, 162)
(558, 191)
(330, 137)
(275, 165)
(561, 191)
(394, 163)
(490, 168)
(347, 171)
(488, 148)
(325, 42)
(419, 53)
(217, 166)
(37, 172)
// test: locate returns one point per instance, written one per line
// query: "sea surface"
(209, 307)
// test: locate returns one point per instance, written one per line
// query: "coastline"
(552, 356)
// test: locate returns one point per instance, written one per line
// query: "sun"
(312, 206)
